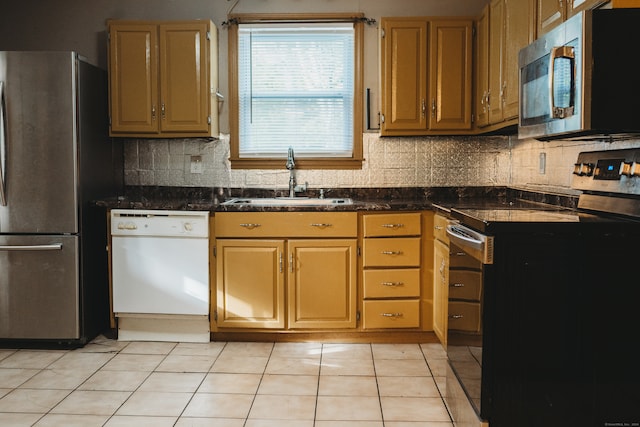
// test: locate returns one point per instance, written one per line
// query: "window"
(296, 84)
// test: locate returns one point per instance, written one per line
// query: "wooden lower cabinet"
(316, 278)
(440, 290)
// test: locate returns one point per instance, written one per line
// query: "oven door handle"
(454, 232)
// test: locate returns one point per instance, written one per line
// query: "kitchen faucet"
(291, 164)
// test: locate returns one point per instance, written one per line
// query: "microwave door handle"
(3, 146)
(560, 52)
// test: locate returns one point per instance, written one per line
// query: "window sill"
(318, 163)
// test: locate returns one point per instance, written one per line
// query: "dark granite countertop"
(365, 199)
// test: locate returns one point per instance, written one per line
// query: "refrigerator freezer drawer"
(39, 287)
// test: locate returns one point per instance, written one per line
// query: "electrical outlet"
(196, 164)
(542, 163)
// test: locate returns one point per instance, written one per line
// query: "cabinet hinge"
(473, 32)
(215, 315)
(358, 316)
(208, 35)
(382, 118)
(208, 120)
(473, 118)
(359, 252)
(215, 251)
(382, 33)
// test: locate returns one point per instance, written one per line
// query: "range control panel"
(613, 171)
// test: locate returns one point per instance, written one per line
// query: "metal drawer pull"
(51, 247)
(280, 261)
(457, 285)
(391, 252)
(459, 254)
(438, 227)
(394, 315)
(456, 316)
(250, 226)
(321, 225)
(392, 225)
(392, 283)
(291, 263)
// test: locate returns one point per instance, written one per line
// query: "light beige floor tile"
(60, 379)
(66, 420)
(297, 349)
(438, 367)
(6, 353)
(279, 423)
(134, 362)
(115, 380)
(151, 403)
(210, 422)
(102, 344)
(211, 349)
(230, 383)
(349, 424)
(278, 407)
(140, 421)
(293, 365)
(4, 391)
(347, 367)
(408, 387)
(417, 424)
(414, 409)
(346, 385)
(91, 402)
(86, 361)
(26, 359)
(18, 420)
(240, 364)
(186, 363)
(433, 351)
(397, 351)
(31, 400)
(347, 351)
(219, 405)
(441, 383)
(12, 378)
(172, 381)
(402, 368)
(255, 349)
(348, 408)
(295, 385)
(149, 347)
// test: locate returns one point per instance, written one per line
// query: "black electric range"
(557, 306)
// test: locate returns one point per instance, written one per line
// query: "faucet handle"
(321, 195)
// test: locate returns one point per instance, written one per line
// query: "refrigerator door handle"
(3, 146)
(51, 247)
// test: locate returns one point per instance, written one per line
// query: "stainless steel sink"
(288, 201)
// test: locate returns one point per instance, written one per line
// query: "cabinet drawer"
(392, 283)
(460, 259)
(286, 224)
(391, 314)
(398, 224)
(392, 252)
(464, 316)
(465, 284)
(440, 228)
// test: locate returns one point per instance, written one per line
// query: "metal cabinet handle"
(424, 108)
(391, 252)
(457, 285)
(438, 227)
(456, 316)
(433, 107)
(51, 247)
(291, 262)
(163, 111)
(394, 226)
(280, 262)
(153, 112)
(394, 284)
(3, 146)
(250, 226)
(320, 225)
(395, 315)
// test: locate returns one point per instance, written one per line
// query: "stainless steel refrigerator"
(55, 159)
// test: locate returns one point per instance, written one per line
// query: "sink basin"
(288, 201)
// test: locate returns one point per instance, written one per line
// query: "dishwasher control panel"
(161, 223)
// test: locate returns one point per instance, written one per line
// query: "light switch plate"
(196, 164)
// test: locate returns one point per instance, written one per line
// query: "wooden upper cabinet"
(553, 12)
(426, 67)
(162, 79)
(481, 64)
(450, 73)
(404, 71)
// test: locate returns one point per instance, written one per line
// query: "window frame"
(356, 159)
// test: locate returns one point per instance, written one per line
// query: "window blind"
(296, 88)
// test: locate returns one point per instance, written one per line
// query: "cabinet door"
(482, 69)
(322, 283)
(440, 290)
(133, 78)
(576, 6)
(250, 283)
(450, 74)
(404, 71)
(184, 83)
(496, 62)
(550, 14)
(519, 32)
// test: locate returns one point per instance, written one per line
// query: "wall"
(503, 160)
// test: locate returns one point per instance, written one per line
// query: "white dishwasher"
(160, 274)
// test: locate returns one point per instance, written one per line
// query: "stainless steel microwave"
(581, 79)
